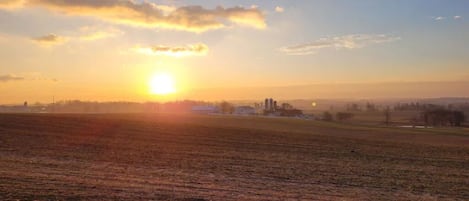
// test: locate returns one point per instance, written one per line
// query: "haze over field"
(212, 50)
(234, 100)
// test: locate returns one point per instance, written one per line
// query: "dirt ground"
(187, 157)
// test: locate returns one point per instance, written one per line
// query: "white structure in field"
(205, 109)
(244, 110)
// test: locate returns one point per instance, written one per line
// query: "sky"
(113, 50)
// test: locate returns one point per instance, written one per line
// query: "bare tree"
(226, 107)
(387, 115)
(342, 116)
(443, 117)
(327, 116)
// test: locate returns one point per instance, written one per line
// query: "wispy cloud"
(198, 49)
(45, 79)
(151, 15)
(49, 40)
(339, 42)
(37, 76)
(85, 33)
(8, 78)
(440, 18)
(91, 33)
(279, 9)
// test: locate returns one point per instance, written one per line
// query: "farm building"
(244, 110)
(272, 108)
(205, 109)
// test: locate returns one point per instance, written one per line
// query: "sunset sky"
(115, 49)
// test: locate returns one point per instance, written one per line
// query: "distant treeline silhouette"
(354, 107)
(443, 117)
(339, 116)
(76, 106)
(416, 106)
(412, 106)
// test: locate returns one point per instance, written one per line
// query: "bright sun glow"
(162, 84)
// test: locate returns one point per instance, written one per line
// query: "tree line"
(443, 117)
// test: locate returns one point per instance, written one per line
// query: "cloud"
(85, 33)
(95, 33)
(11, 4)
(279, 9)
(439, 18)
(150, 15)
(45, 79)
(339, 42)
(37, 76)
(8, 78)
(198, 49)
(49, 40)
(31, 76)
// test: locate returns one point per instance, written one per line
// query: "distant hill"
(353, 91)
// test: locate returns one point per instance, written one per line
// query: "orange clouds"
(8, 78)
(11, 4)
(92, 33)
(49, 40)
(176, 51)
(150, 15)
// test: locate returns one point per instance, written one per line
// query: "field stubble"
(185, 157)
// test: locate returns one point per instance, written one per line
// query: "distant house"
(244, 110)
(205, 109)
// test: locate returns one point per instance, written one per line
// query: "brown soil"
(184, 157)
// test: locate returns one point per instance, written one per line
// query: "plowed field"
(190, 157)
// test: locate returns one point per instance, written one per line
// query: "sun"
(162, 84)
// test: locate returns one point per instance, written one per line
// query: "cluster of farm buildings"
(269, 107)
